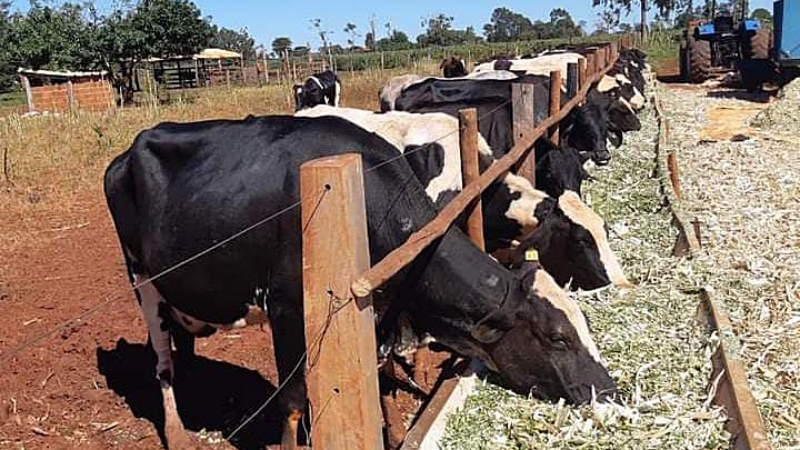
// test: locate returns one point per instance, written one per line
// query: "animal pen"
(338, 280)
(66, 91)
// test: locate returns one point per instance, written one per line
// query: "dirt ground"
(92, 385)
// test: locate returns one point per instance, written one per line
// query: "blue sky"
(267, 20)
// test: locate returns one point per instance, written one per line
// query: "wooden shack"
(64, 91)
(211, 67)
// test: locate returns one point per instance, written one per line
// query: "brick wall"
(88, 95)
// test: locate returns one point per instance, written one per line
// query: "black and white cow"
(453, 67)
(513, 210)
(584, 129)
(320, 89)
(183, 187)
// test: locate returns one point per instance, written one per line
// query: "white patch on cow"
(635, 64)
(338, 95)
(627, 104)
(545, 287)
(395, 86)
(522, 209)
(403, 129)
(622, 79)
(492, 75)
(316, 80)
(160, 340)
(638, 101)
(578, 212)
(299, 90)
(606, 84)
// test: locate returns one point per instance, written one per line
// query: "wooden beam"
(555, 103)
(470, 171)
(583, 75)
(590, 65)
(420, 240)
(733, 392)
(573, 82)
(341, 375)
(523, 122)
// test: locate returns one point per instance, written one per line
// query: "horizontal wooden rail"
(400, 257)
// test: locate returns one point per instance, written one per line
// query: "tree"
(350, 29)
(507, 26)
(440, 32)
(52, 38)
(617, 7)
(154, 28)
(324, 34)
(762, 15)
(562, 24)
(238, 41)
(369, 41)
(281, 45)
(396, 41)
(7, 75)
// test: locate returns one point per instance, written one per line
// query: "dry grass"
(747, 195)
(47, 163)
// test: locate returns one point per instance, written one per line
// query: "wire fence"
(6, 356)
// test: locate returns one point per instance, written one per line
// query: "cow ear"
(492, 328)
(615, 137)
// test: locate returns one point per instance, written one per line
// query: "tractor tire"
(699, 60)
(758, 45)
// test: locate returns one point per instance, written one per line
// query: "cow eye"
(558, 341)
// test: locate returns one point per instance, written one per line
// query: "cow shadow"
(214, 396)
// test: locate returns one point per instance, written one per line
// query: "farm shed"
(210, 67)
(63, 91)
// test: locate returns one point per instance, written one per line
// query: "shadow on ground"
(741, 94)
(216, 396)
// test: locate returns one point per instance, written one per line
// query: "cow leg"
(289, 343)
(158, 329)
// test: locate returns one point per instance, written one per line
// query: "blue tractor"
(727, 43)
(719, 44)
(786, 53)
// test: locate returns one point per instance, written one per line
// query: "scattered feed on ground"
(656, 350)
(746, 194)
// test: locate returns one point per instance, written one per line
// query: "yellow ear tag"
(531, 255)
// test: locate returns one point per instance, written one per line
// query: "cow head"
(571, 243)
(621, 116)
(540, 344)
(586, 130)
(308, 95)
(558, 169)
(453, 67)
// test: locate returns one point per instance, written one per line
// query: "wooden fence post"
(342, 374)
(470, 171)
(590, 65)
(71, 95)
(582, 73)
(572, 80)
(555, 103)
(524, 122)
(26, 82)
